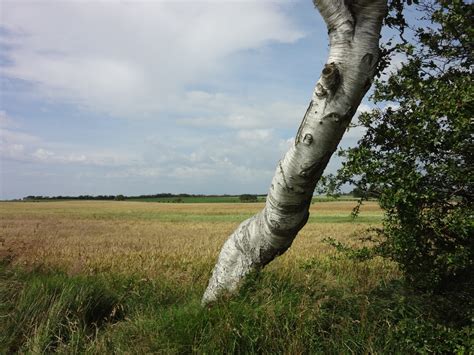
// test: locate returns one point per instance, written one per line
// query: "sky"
(142, 97)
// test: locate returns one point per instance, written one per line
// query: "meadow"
(100, 277)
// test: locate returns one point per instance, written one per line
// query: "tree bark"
(354, 31)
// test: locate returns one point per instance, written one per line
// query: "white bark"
(354, 30)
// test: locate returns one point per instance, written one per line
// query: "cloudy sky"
(142, 97)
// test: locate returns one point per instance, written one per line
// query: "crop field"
(96, 277)
(154, 239)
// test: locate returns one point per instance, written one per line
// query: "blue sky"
(142, 97)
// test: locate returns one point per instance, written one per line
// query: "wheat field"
(177, 241)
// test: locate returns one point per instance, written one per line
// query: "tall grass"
(47, 311)
(52, 312)
(79, 281)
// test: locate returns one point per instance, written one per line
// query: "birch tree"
(354, 31)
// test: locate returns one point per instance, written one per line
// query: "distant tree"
(248, 198)
(357, 192)
(120, 198)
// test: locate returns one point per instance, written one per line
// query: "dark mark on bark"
(333, 116)
(349, 113)
(287, 186)
(367, 59)
(282, 208)
(308, 139)
(316, 166)
(298, 134)
(320, 91)
(330, 77)
(367, 84)
(289, 233)
(271, 223)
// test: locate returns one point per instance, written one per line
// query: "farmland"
(149, 238)
(94, 276)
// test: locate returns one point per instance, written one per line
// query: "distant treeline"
(122, 197)
(81, 197)
(169, 197)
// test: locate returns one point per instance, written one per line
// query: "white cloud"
(25, 147)
(6, 121)
(187, 160)
(104, 159)
(203, 109)
(256, 135)
(9, 136)
(167, 60)
(42, 154)
(132, 59)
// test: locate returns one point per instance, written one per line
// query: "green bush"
(417, 156)
(248, 198)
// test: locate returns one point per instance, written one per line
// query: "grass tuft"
(48, 310)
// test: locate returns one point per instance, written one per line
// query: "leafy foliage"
(417, 153)
(248, 198)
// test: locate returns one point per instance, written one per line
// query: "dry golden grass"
(177, 241)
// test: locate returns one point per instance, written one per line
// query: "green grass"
(48, 311)
(184, 216)
(194, 217)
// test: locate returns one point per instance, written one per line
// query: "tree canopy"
(416, 154)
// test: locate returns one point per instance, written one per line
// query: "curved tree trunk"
(354, 31)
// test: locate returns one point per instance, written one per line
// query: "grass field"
(96, 277)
